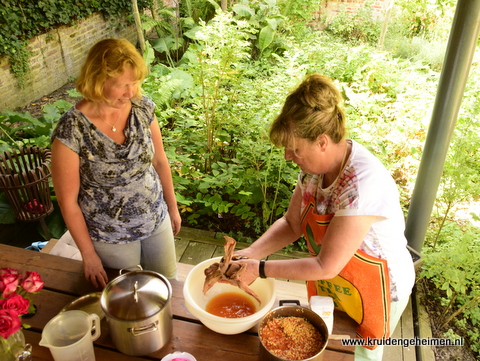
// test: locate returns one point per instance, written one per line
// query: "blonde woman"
(347, 207)
(110, 172)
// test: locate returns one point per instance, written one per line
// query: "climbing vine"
(20, 21)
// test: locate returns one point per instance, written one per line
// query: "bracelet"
(261, 269)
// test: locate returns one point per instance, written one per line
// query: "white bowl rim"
(213, 318)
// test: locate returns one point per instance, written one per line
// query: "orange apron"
(361, 289)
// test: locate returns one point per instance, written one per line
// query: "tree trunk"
(223, 5)
(138, 25)
(388, 13)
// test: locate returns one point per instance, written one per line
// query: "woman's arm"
(162, 166)
(344, 236)
(66, 181)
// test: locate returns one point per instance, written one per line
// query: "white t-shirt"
(365, 187)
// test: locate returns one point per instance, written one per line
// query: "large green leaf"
(7, 216)
(16, 117)
(163, 45)
(265, 37)
(191, 33)
(243, 11)
(55, 223)
(148, 54)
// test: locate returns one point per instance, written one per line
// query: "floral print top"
(120, 195)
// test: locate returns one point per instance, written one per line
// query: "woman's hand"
(244, 253)
(94, 271)
(176, 221)
(251, 273)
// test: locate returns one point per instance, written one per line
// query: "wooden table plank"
(58, 273)
(183, 343)
(41, 353)
(57, 301)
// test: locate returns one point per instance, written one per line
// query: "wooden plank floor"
(194, 246)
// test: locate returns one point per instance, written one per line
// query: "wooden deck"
(194, 246)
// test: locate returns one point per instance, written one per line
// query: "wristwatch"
(261, 269)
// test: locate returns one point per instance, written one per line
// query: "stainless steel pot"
(295, 311)
(137, 306)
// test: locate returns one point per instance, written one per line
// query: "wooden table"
(64, 282)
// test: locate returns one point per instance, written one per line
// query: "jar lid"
(136, 295)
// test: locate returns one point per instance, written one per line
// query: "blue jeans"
(155, 253)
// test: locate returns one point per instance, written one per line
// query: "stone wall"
(57, 57)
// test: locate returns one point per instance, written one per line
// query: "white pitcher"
(70, 335)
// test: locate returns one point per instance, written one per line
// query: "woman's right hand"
(245, 253)
(94, 271)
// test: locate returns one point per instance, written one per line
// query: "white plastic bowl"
(196, 301)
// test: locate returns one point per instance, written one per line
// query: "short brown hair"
(312, 109)
(106, 59)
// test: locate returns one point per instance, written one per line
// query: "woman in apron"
(347, 207)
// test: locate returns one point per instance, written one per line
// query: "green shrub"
(422, 18)
(454, 268)
(21, 129)
(356, 28)
(215, 127)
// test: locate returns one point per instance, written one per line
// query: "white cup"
(177, 355)
(70, 335)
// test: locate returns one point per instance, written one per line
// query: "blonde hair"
(312, 109)
(106, 59)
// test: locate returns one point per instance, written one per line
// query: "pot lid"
(136, 295)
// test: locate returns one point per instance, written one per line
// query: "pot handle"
(137, 331)
(282, 302)
(131, 268)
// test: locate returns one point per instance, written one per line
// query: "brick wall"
(57, 57)
(352, 6)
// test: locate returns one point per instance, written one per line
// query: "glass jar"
(13, 346)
